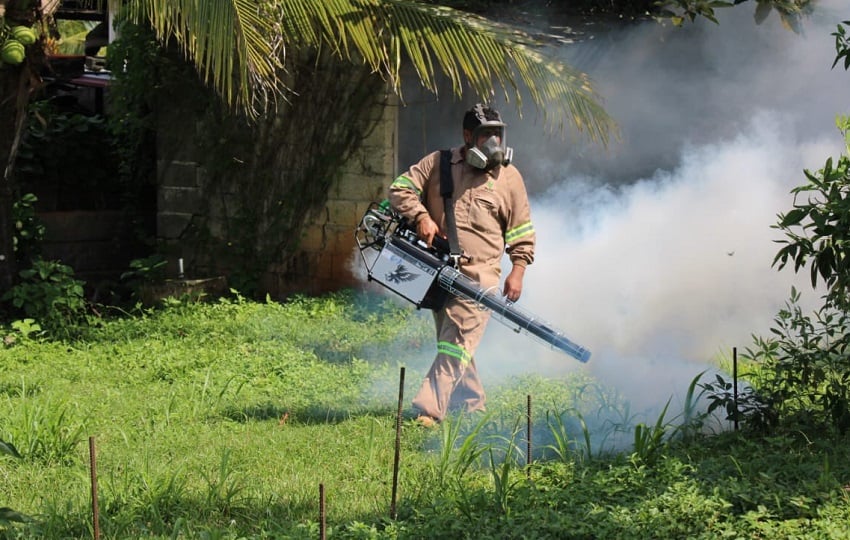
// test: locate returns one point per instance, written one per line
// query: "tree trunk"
(15, 89)
(16, 83)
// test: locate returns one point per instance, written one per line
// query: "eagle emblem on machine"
(401, 273)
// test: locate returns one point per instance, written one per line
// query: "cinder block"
(313, 238)
(343, 213)
(176, 199)
(178, 173)
(170, 226)
(361, 186)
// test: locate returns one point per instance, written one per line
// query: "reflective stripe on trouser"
(452, 381)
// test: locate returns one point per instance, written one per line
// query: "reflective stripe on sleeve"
(403, 182)
(455, 351)
(518, 232)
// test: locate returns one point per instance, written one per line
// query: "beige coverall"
(492, 216)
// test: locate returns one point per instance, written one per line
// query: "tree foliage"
(790, 12)
(804, 373)
(471, 51)
(817, 228)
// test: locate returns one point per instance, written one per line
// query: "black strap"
(447, 186)
(446, 190)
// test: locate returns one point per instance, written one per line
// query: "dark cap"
(481, 115)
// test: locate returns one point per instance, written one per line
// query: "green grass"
(222, 420)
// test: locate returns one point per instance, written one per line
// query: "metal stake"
(322, 533)
(528, 440)
(393, 512)
(735, 385)
(94, 511)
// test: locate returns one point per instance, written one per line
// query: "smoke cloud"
(656, 253)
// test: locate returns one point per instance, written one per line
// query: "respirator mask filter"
(490, 153)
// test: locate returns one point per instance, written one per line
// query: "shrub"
(49, 294)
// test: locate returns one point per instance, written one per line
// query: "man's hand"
(513, 283)
(427, 229)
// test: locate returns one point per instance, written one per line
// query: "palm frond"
(468, 50)
(233, 44)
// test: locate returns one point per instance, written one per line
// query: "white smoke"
(657, 253)
(658, 276)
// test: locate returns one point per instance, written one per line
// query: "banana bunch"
(13, 40)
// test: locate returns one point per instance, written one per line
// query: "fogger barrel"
(508, 313)
(404, 264)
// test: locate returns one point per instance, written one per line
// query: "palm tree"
(384, 34)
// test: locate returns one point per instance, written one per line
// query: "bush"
(806, 371)
(49, 293)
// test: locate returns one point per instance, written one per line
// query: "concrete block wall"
(327, 249)
(324, 258)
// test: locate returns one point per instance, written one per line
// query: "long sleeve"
(406, 191)
(520, 238)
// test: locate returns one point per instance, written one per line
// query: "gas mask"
(490, 154)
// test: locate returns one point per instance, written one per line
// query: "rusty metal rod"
(322, 533)
(528, 437)
(94, 510)
(735, 385)
(397, 458)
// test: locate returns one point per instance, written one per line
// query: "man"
(492, 216)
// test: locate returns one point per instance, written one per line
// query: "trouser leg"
(452, 381)
(468, 394)
(435, 394)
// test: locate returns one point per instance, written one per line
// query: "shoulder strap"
(447, 185)
(446, 190)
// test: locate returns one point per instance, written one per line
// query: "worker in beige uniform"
(492, 217)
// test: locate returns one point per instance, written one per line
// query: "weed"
(458, 454)
(693, 419)
(565, 446)
(43, 433)
(224, 486)
(26, 328)
(29, 229)
(502, 470)
(9, 517)
(650, 440)
(9, 449)
(745, 406)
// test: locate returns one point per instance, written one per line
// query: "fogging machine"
(396, 258)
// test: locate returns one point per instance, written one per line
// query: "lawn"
(238, 419)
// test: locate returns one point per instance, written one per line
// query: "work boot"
(426, 421)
